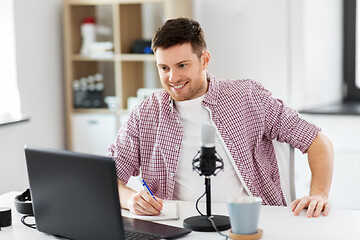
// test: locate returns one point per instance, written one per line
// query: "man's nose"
(173, 76)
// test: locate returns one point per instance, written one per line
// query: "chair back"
(285, 158)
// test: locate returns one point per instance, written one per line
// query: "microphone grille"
(207, 135)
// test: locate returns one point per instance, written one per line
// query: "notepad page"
(170, 212)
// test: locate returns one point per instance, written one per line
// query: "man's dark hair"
(179, 31)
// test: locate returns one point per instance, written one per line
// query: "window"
(352, 50)
(9, 94)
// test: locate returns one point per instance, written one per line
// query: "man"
(162, 134)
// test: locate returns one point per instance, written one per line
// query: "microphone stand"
(202, 223)
(208, 195)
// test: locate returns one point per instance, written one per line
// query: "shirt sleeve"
(284, 123)
(125, 150)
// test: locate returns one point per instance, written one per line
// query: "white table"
(277, 223)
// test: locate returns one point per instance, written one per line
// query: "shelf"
(90, 2)
(137, 57)
(122, 57)
(93, 110)
(78, 57)
(340, 109)
(123, 72)
(107, 2)
(100, 111)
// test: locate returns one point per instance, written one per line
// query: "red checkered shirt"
(245, 114)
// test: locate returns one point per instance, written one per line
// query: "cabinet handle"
(92, 122)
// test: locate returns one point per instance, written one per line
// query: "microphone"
(207, 162)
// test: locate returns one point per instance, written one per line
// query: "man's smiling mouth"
(179, 86)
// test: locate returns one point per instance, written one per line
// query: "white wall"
(293, 47)
(38, 33)
(316, 52)
(247, 39)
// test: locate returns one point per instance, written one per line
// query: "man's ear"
(205, 59)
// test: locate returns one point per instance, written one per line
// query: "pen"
(146, 187)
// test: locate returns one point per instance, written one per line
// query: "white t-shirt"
(189, 185)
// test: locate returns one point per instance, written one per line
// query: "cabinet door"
(93, 133)
(344, 132)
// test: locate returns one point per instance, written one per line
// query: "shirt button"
(171, 175)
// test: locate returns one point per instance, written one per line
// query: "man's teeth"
(179, 86)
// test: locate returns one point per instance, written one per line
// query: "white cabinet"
(93, 133)
(344, 132)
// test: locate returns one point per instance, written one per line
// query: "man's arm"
(140, 203)
(321, 160)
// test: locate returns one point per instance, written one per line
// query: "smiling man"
(182, 72)
(162, 134)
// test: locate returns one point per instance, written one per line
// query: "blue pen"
(146, 187)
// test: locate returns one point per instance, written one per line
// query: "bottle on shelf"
(88, 34)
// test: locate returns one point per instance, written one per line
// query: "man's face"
(182, 72)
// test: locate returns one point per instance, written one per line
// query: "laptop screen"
(75, 196)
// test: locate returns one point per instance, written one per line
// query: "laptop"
(75, 196)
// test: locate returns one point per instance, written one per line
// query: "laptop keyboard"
(140, 236)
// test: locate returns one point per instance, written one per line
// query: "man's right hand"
(143, 203)
(140, 203)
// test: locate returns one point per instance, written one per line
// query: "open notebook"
(170, 212)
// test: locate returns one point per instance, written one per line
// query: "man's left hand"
(315, 205)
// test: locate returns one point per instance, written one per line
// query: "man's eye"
(164, 68)
(182, 65)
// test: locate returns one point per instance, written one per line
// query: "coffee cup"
(244, 214)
